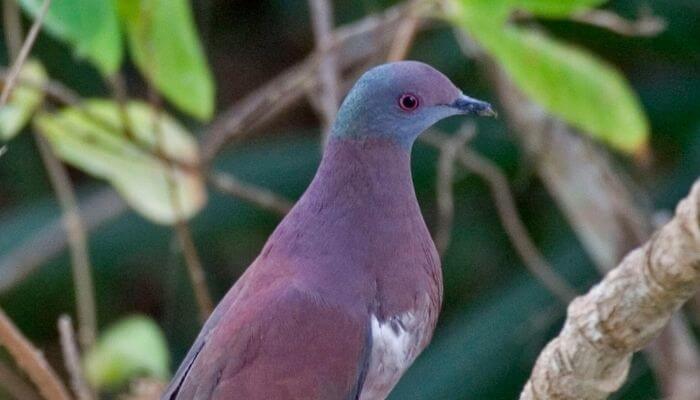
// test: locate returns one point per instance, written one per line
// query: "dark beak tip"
(489, 112)
(469, 105)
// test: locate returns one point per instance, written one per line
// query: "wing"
(283, 344)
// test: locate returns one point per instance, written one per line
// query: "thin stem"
(23, 53)
(13, 28)
(260, 197)
(322, 22)
(194, 265)
(406, 33)
(61, 185)
(77, 242)
(71, 359)
(449, 150)
(510, 219)
(14, 385)
(31, 361)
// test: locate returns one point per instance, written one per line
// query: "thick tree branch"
(607, 212)
(633, 303)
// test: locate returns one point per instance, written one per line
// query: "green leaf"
(555, 8)
(164, 45)
(26, 97)
(132, 347)
(91, 26)
(568, 82)
(93, 139)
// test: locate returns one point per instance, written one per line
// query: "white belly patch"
(396, 342)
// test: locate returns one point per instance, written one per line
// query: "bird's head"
(400, 100)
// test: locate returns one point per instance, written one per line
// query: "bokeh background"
(496, 316)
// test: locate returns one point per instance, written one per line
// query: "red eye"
(408, 102)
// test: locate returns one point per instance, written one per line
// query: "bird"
(346, 292)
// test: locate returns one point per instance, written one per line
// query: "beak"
(468, 105)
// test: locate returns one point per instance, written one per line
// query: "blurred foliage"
(570, 83)
(130, 348)
(93, 138)
(25, 100)
(164, 46)
(91, 26)
(495, 318)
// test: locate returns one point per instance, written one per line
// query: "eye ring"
(408, 102)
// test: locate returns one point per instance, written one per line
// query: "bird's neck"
(371, 173)
(362, 190)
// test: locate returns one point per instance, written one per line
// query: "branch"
(510, 219)
(322, 22)
(14, 385)
(193, 263)
(591, 356)
(71, 359)
(449, 149)
(23, 53)
(60, 182)
(602, 206)
(260, 197)
(77, 243)
(12, 27)
(646, 25)
(406, 32)
(353, 44)
(31, 361)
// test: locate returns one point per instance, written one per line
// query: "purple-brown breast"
(310, 318)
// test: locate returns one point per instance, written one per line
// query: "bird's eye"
(408, 102)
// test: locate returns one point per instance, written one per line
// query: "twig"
(353, 43)
(23, 53)
(322, 22)
(64, 191)
(182, 229)
(405, 33)
(53, 89)
(449, 149)
(77, 243)
(3, 150)
(14, 385)
(31, 361)
(510, 219)
(71, 359)
(260, 197)
(646, 25)
(12, 28)
(591, 356)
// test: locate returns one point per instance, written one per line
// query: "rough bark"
(591, 356)
(606, 213)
